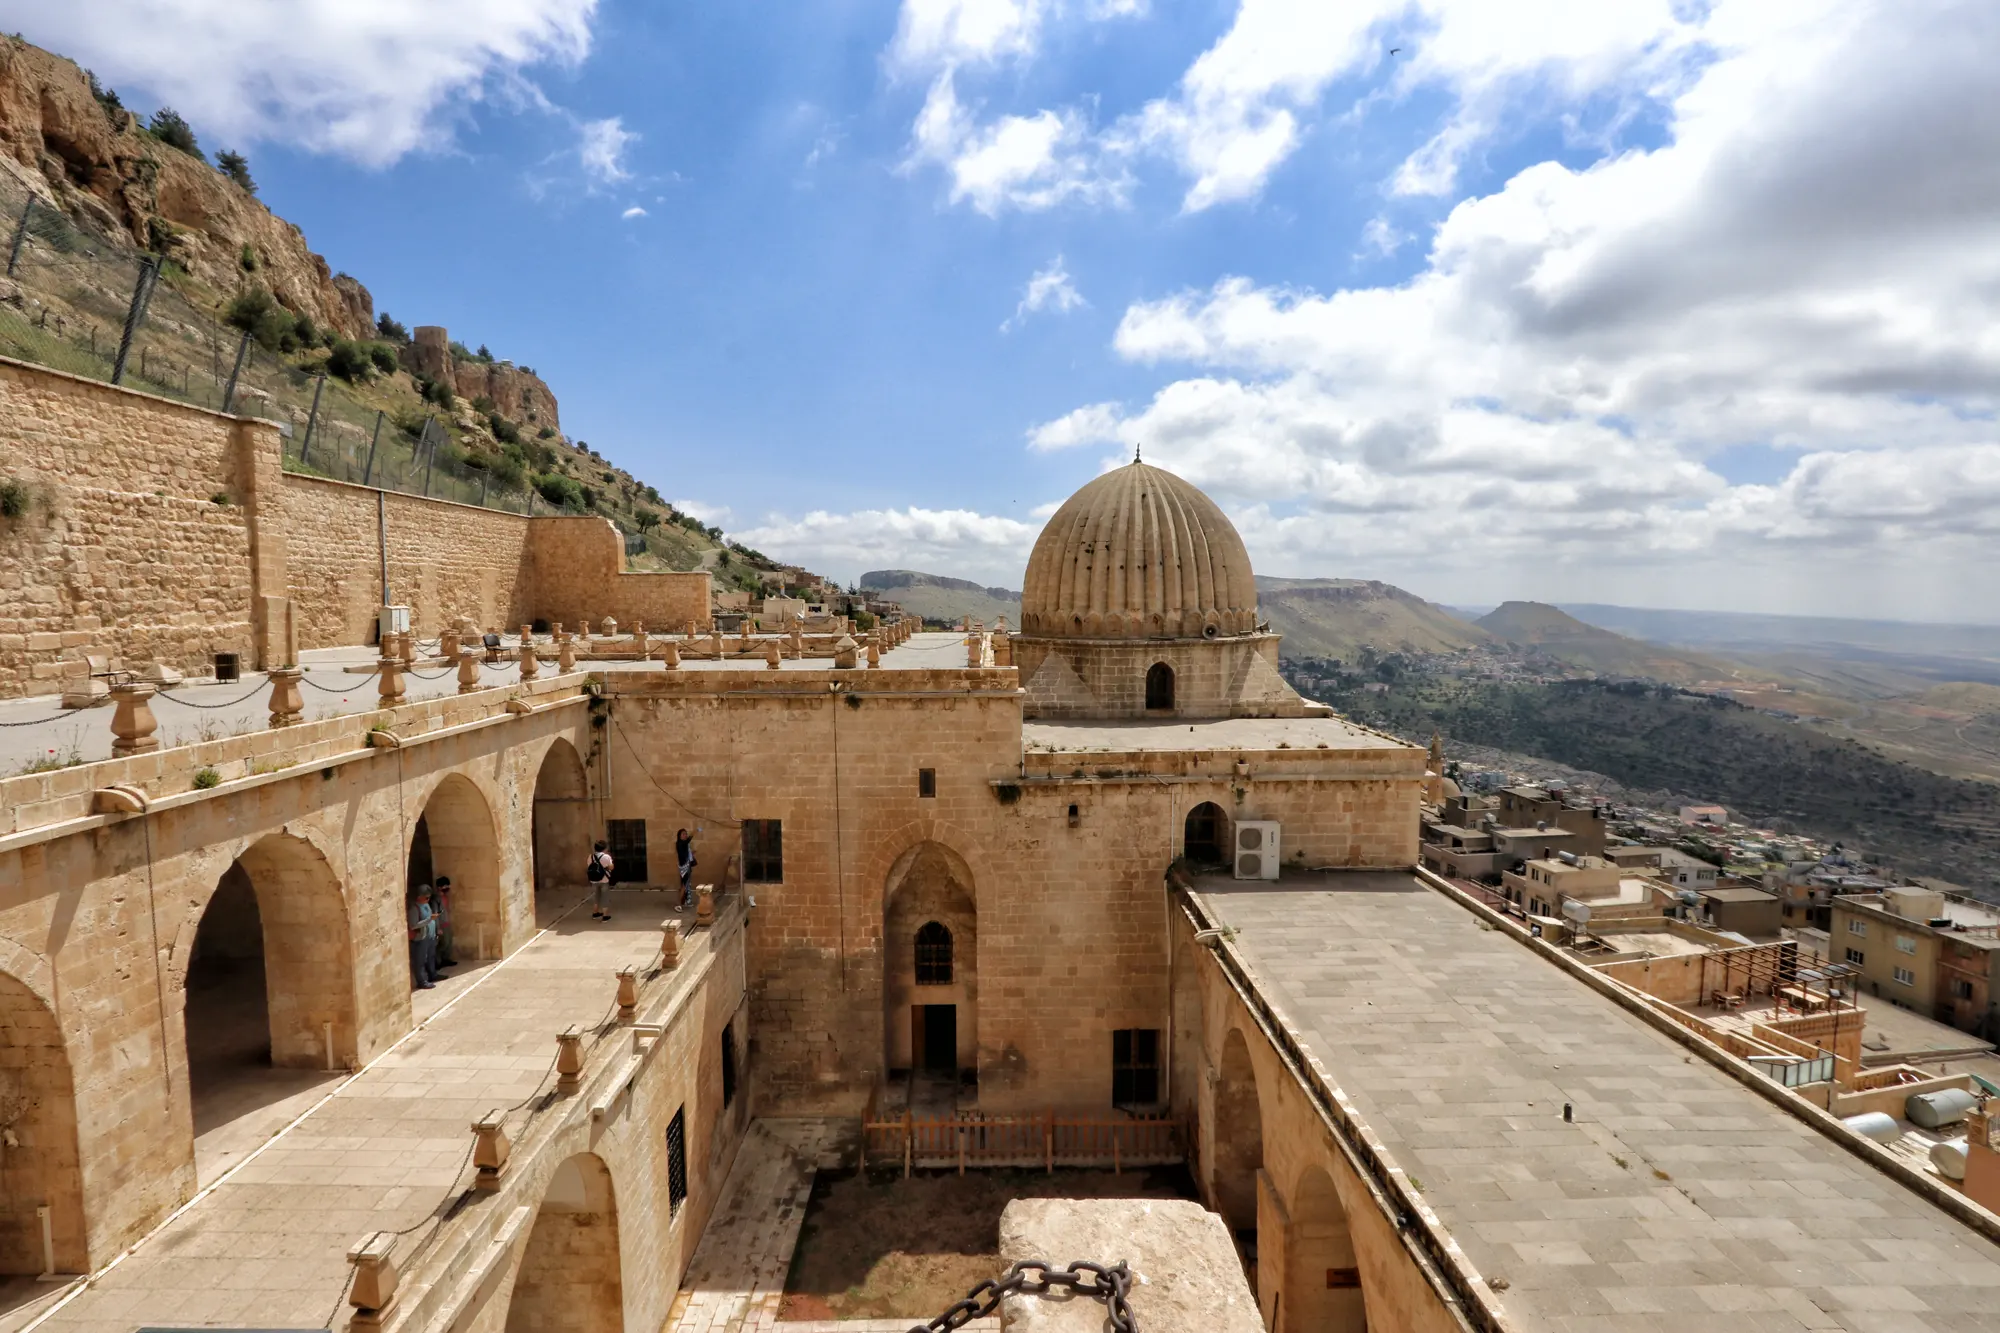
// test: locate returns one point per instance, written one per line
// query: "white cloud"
(601, 146)
(1808, 263)
(932, 34)
(958, 542)
(1025, 162)
(1097, 423)
(369, 80)
(712, 514)
(633, 212)
(1048, 289)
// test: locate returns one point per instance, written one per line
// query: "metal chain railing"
(189, 703)
(1110, 1283)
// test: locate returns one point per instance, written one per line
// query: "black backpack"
(596, 871)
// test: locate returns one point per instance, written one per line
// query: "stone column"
(975, 650)
(569, 1060)
(704, 904)
(531, 665)
(798, 641)
(468, 670)
(671, 651)
(389, 680)
(288, 705)
(566, 655)
(772, 657)
(132, 722)
(1003, 647)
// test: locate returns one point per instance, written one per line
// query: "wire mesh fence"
(80, 300)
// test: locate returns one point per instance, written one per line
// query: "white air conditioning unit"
(395, 620)
(1257, 849)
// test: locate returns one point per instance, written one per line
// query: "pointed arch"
(930, 898)
(562, 818)
(1239, 1138)
(1322, 1280)
(456, 837)
(571, 1275)
(41, 1163)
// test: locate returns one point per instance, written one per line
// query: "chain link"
(1110, 1283)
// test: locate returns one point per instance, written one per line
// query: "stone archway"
(1238, 1142)
(455, 837)
(268, 987)
(1205, 836)
(930, 1013)
(40, 1165)
(570, 1279)
(1322, 1289)
(562, 823)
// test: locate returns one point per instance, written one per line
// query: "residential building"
(1933, 952)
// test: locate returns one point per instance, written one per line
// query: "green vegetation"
(1661, 738)
(391, 330)
(560, 491)
(168, 127)
(114, 110)
(237, 167)
(207, 778)
(247, 259)
(350, 361)
(14, 498)
(258, 313)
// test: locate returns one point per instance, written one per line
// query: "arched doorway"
(930, 990)
(1160, 688)
(1239, 1146)
(1322, 1282)
(1205, 839)
(454, 837)
(269, 987)
(570, 1276)
(562, 826)
(39, 1166)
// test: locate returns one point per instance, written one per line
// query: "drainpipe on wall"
(382, 539)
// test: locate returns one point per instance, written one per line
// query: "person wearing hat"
(447, 941)
(423, 939)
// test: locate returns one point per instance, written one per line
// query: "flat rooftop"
(1678, 1199)
(1228, 733)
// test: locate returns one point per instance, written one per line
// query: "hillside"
(1337, 617)
(406, 408)
(1552, 632)
(938, 597)
(1658, 739)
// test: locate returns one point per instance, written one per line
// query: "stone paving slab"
(1676, 1200)
(267, 1247)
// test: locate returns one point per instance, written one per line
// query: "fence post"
(312, 418)
(368, 469)
(142, 292)
(236, 373)
(20, 235)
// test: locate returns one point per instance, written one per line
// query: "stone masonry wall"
(578, 566)
(137, 540)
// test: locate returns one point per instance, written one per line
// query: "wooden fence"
(1046, 1141)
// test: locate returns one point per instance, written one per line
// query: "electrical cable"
(710, 819)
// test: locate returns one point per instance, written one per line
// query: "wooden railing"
(1046, 1141)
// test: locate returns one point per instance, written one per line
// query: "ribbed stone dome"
(1139, 554)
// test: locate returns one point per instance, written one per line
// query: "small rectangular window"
(763, 851)
(1855, 926)
(1961, 990)
(1904, 944)
(1135, 1067)
(1856, 957)
(728, 1063)
(1905, 977)
(628, 849)
(927, 782)
(677, 1161)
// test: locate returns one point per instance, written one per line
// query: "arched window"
(1205, 835)
(1160, 686)
(933, 955)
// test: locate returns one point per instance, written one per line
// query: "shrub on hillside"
(256, 312)
(560, 491)
(504, 430)
(237, 167)
(350, 361)
(391, 329)
(168, 127)
(384, 357)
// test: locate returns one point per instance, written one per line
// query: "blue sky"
(1567, 300)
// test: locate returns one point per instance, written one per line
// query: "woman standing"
(684, 859)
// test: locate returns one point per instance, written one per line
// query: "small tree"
(114, 110)
(390, 329)
(168, 127)
(384, 357)
(350, 361)
(237, 167)
(646, 520)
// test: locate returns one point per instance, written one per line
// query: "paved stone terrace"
(1678, 1200)
(267, 1248)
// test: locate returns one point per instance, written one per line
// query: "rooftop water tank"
(1934, 1110)
(1949, 1158)
(1874, 1125)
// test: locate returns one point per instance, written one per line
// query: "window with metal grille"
(763, 851)
(628, 849)
(933, 955)
(1135, 1067)
(927, 782)
(677, 1161)
(728, 1063)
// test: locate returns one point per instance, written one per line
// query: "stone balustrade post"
(288, 703)
(569, 1060)
(490, 1149)
(628, 994)
(1003, 647)
(704, 904)
(372, 1290)
(531, 666)
(715, 641)
(975, 650)
(607, 627)
(843, 653)
(772, 656)
(874, 650)
(566, 655)
(671, 652)
(389, 680)
(468, 670)
(670, 943)
(640, 648)
(133, 725)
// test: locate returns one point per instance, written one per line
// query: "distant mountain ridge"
(1555, 633)
(940, 597)
(1337, 617)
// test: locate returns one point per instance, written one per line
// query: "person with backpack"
(423, 940)
(600, 874)
(684, 859)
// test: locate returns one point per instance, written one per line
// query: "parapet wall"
(157, 531)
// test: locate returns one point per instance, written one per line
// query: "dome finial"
(1135, 452)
